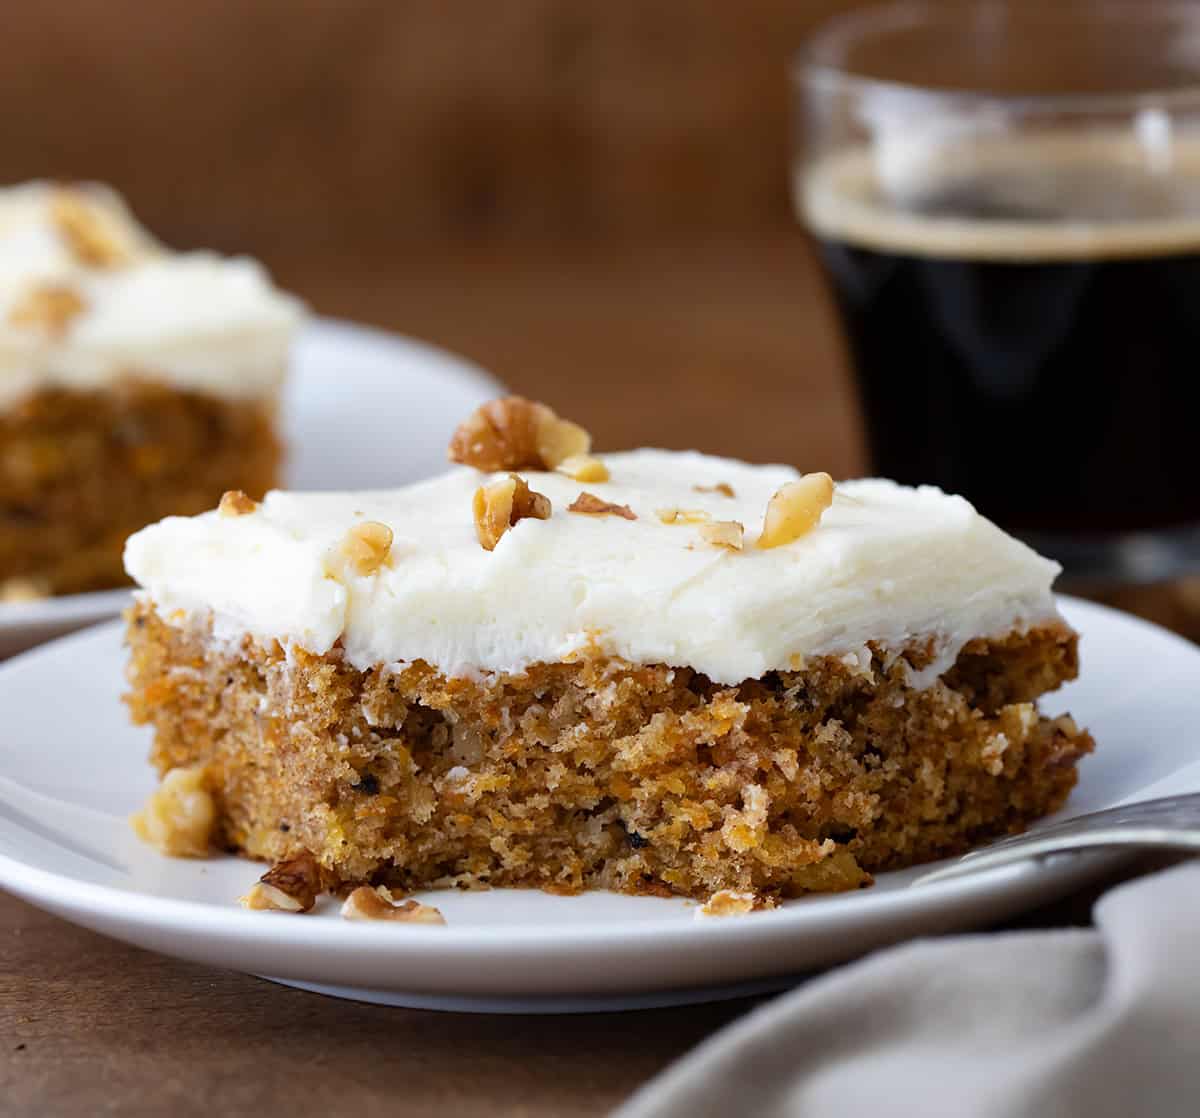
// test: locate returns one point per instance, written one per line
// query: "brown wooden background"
(366, 124)
(590, 199)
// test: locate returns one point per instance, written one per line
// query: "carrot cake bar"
(652, 672)
(134, 383)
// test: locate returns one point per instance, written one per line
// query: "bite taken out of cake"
(135, 382)
(650, 671)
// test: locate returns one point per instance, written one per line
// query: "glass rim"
(813, 69)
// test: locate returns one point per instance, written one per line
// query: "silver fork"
(1172, 822)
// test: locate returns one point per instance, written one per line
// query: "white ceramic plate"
(71, 769)
(363, 410)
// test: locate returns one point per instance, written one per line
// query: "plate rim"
(468, 372)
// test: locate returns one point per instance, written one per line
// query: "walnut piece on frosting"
(87, 230)
(289, 886)
(583, 467)
(591, 505)
(179, 815)
(367, 546)
(683, 516)
(235, 503)
(513, 433)
(724, 533)
(796, 509)
(722, 487)
(500, 504)
(366, 903)
(50, 307)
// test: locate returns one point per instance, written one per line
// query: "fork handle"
(1042, 846)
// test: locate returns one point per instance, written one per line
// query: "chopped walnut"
(50, 307)
(367, 546)
(1065, 724)
(20, 589)
(366, 903)
(591, 505)
(796, 509)
(513, 433)
(499, 505)
(724, 533)
(727, 902)
(289, 886)
(559, 440)
(683, 516)
(722, 487)
(179, 816)
(1068, 744)
(583, 467)
(87, 230)
(235, 503)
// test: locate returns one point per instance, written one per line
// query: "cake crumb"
(992, 753)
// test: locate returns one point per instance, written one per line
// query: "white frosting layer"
(886, 563)
(195, 319)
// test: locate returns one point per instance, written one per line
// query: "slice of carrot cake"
(653, 672)
(134, 383)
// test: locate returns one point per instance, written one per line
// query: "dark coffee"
(1038, 353)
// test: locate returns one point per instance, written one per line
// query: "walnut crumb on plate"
(378, 903)
(289, 886)
(727, 902)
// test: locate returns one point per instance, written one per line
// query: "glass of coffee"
(1006, 202)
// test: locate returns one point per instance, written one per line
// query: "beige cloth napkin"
(1089, 1022)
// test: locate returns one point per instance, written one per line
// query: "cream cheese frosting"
(887, 564)
(195, 320)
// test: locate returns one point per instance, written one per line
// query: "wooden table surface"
(727, 346)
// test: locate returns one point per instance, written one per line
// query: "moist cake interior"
(603, 774)
(80, 471)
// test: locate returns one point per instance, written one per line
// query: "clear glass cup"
(1006, 203)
